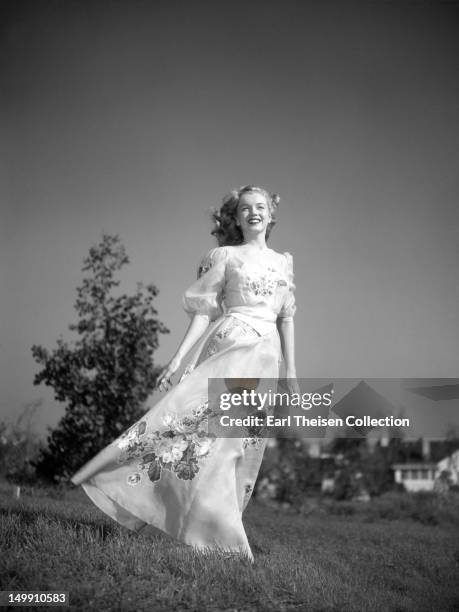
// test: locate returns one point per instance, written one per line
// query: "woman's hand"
(163, 382)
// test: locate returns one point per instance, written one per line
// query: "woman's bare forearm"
(286, 330)
(198, 325)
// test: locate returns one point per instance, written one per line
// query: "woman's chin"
(253, 230)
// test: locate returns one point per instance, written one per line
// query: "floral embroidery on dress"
(224, 332)
(252, 442)
(265, 284)
(134, 479)
(256, 432)
(179, 448)
(220, 335)
(213, 256)
(203, 268)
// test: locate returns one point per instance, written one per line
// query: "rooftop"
(420, 465)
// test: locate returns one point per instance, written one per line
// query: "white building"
(418, 476)
(421, 476)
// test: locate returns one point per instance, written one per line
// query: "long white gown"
(166, 470)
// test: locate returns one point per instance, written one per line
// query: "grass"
(335, 558)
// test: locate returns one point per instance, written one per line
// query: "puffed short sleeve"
(204, 296)
(287, 312)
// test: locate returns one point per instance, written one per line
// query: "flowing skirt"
(167, 471)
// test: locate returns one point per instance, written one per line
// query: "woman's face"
(253, 213)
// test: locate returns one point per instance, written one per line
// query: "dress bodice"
(257, 290)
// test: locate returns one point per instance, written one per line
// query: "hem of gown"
(127, 519)
(112, 508)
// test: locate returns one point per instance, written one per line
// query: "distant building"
(418, 476)
(423, 475)
(328, 484)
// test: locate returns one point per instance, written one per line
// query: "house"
(418, 476)
(423, 475)
(327, 484)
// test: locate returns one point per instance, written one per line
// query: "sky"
(134, 118)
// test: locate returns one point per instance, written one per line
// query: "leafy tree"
(106, 375)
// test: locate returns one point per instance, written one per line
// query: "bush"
(425, 507)
(19, 446)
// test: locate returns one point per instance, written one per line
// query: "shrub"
(19, 446)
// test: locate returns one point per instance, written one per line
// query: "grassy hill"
(396, 553)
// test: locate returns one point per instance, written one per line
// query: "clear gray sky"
(135, 117)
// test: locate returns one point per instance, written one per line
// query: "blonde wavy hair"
(226, 230)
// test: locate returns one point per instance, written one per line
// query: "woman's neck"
(257, 243)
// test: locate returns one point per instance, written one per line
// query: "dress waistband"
(263, 320)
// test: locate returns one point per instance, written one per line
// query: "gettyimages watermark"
(318, 408)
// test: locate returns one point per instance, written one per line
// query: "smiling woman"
(167, 470)
(250, 206)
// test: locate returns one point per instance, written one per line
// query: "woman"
(167, 470)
